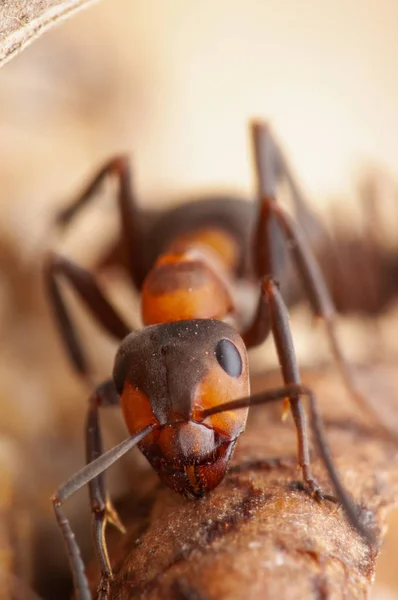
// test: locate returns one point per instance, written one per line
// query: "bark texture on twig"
(23, 21)
(15, 541)
(259, 535)
(6, 551)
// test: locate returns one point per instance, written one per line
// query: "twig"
(259, 535)
(22, 21)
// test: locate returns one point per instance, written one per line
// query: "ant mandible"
(183, 381)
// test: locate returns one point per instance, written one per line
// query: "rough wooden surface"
(6, 551)
(259, 535)
(22, 21)
(14, 534)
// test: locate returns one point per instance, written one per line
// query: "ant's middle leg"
(131, 234)
(87, 288)
(322, 306)
(271, 168)
(273, 219)
(272, 316)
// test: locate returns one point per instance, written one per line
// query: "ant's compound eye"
(228, 358)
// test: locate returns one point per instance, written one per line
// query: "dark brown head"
(167, 375)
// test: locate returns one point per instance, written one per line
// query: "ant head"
(167, 375)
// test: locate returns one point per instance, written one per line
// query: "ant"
(183, 380)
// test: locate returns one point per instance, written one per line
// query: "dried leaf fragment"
(22, 21)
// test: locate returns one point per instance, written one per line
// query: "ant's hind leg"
(131, 235)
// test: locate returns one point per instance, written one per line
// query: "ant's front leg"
(85, 285)
(101, 507)
(75, 483)
(272, 315)
(289, 391)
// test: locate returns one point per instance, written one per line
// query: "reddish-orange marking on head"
(218, 388)
(136, 409)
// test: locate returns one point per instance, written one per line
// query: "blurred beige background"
(173, 83)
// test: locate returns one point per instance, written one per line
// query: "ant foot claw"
(315, 490)
(331, 498)
(104, 588)
(317, 493)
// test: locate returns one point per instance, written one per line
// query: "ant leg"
(321, 304)
(85, 475)
(270, 166)
(280, 327)
(130, 217)
(272, 315)
(273, 309)
(85, 285)
(259, 329)
(102, 510)
(278, 394)
(268, 251)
